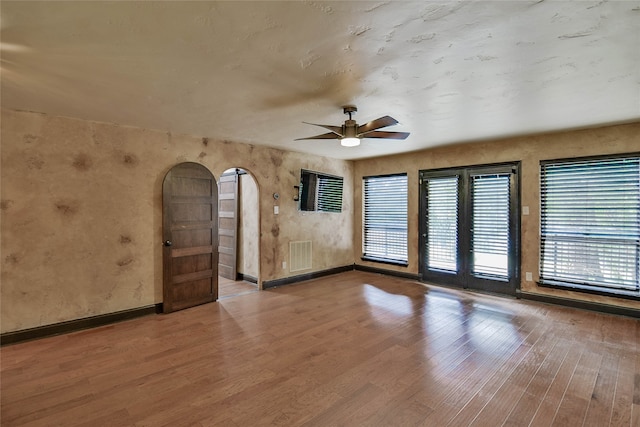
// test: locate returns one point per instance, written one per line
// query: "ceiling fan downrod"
(350, 127)
(349, 109)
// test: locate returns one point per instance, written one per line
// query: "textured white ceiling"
(253, 71)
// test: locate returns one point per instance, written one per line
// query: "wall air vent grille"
(300, 255)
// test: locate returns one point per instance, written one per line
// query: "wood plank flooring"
(353, 349)
(230, 288)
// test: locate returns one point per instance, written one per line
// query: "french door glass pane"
(442, 223)
(490, 230)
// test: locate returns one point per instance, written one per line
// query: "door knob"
(168, 243)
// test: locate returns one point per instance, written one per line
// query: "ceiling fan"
(350, 132)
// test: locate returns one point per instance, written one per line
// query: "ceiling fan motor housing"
(349, 129)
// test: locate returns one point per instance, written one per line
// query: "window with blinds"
(329, 197)
(320, 192)
(442, 220)
(490, 229)
(590, 224)
(385, 218)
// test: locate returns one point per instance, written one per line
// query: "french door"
(470, 227)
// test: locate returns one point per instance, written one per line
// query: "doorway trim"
(241, 219)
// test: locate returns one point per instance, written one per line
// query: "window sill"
(386, 261)
(616, 293)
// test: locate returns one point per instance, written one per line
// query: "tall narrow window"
(590, 224)
(385, 218)
(442, 219)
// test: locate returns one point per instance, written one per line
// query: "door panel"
(228, 226)
(184, 265)
(192, 293)
(191, 238)
(190, 256)
(441, 254)
(494, 230)
(186, 212)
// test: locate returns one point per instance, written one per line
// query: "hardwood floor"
(230, 288)
(353, 349)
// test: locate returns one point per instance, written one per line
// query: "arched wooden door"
(190, 237)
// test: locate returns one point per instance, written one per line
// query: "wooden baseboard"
(585, 305)
(77, 324)
(302, 277)
(402, 274)
(247, 278)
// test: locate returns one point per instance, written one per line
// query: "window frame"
(550, 282)
(326, 195)
(381, 259)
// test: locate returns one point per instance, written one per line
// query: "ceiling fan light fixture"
(350, 142)
(350, 133)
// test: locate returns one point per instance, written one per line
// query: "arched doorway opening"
(238, 233)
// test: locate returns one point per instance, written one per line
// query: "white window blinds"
(590, 223)
(442, 223)
(385, 218)
(329, 194)
(490, 230)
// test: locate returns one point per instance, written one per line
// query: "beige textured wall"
(248, 227)
(528, 150)
(81, 208)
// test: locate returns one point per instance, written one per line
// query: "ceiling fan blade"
(335, 129)
(388, 135)
(376, 124)
(329, 135)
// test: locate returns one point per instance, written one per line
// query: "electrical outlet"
(528, 276)
(284, 265)
(276, 210)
